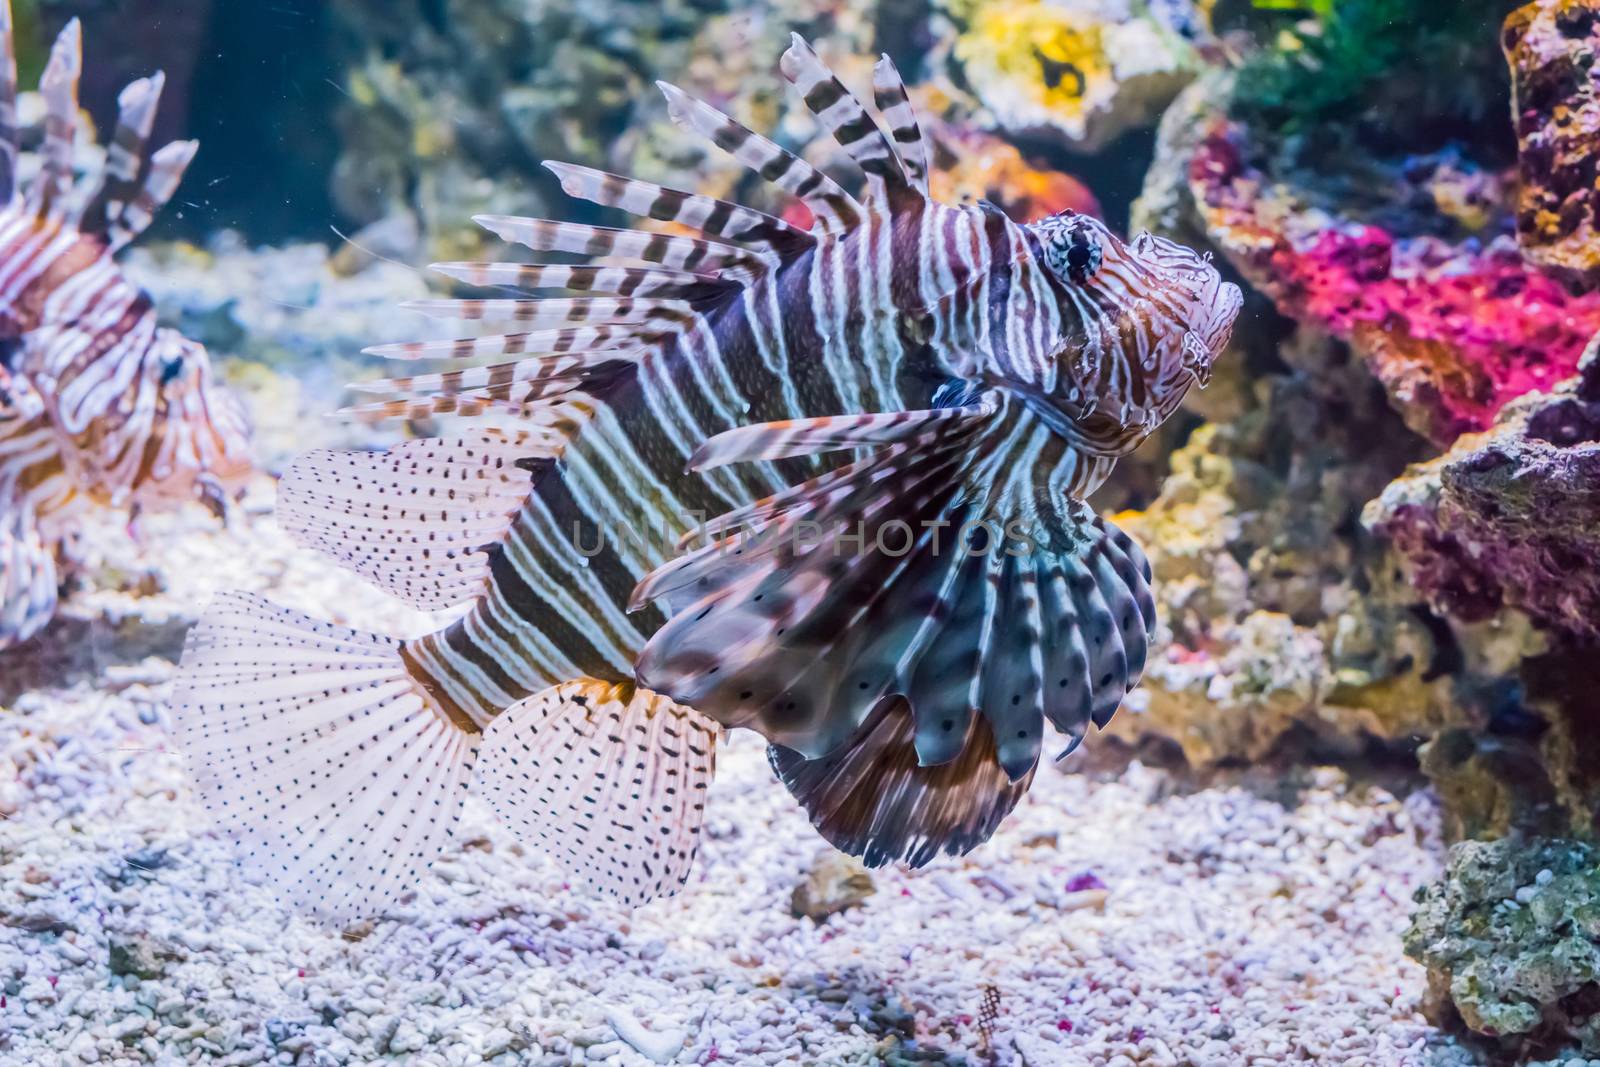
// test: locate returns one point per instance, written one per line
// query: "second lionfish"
(99, 405)
(896, 415)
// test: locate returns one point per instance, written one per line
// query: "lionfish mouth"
(1215, 312)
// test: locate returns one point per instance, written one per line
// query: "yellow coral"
(1050, 60)
(1089, 68)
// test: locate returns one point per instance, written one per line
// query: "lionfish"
(894, 415)
(98, 403)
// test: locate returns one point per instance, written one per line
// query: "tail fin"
(313, 747)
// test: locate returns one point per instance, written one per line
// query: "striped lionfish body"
(874, 436)
(98, 404)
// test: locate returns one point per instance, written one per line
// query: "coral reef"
(450, 115)
(1509, 936)
(1274, 638)
(1453, 329)
(1503, 528)
(1552, 46)
(1507, 518)
(1385, 222)
(1329, 578)
(1083, 70)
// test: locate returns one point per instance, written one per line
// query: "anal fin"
(609, 780)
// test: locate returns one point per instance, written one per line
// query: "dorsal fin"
(589, 339)
(552, 312)
(669, 250)
(889, 92)
(8, 104)
(166, 171)
(833, 208)
(719, 218)
(59, 87)
(844, 117)
(660, 282)
(136, 114)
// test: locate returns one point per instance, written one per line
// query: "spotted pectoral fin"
(895, 576)
(608, 780)
(772, 618)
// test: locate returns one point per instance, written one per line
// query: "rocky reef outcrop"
(1384, 542)
(1511, 939)
(1552, 49)
(1507, 519)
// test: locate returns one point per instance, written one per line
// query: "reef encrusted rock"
(1510, 518)
(1082, 70)
(1454, 328)
(1511, 939)
(1553, 46)
(1275, 628)
(1392, 227)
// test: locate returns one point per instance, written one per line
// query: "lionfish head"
(200, 436)
(1139, 323)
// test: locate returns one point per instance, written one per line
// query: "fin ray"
(873, 799)
(412, 520)
(843, 116)
(732, 222)
(610, 782)
(167, 165)
(895, 105)
(311, 746)
(834, 209)
(59, 87)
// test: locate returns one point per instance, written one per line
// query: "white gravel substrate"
(1232, 929)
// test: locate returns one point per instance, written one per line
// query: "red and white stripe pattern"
(101, 403)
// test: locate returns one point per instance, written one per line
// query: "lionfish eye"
(1075, 255)
(170, 369)
(1080, 258)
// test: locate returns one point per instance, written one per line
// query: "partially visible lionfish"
(98, 404)
(897, 414)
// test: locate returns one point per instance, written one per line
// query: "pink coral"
(1453, 332)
